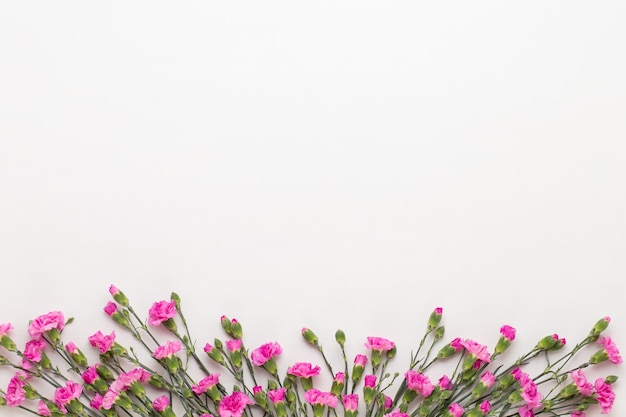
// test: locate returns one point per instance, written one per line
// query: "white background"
(325, 164)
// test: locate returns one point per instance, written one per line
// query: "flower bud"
(309, 336)
(599, 356)
(105, 373)
(235, 328)
(340, 337)
(176, 299)
(226, 324)
(439, 332)
(434, 319)
(118, 296)
(568, 391)
(8, 343)
(548, 342)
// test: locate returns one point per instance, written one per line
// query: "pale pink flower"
(101, 341)
(418, 382)
(508, 332)
(584, 387)
(110, 308)
(4, 328)
(113, 290)
(109, 399)
(477, 350)
(206, 384)
(379, 343)
(42, 409)
(485, 406)
(233, 345)
(303, 370)
(315, 396)
(63, 395)
(605, 395)
(277, 395)
(161, 311)
(46, 322)
(15, 394)
(161, 403)
(487, 379)
(350, 402)
(265, 352)
(168, 349)
(610, 349)
(360, 360)
(340, 378)
(33, 350)
(233, 405)
(456, 410)
(369, 381)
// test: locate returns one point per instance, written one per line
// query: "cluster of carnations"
(121, 383)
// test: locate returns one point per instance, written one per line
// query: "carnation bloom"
(610, 349)
(4, 328)
(15, 394)
(315, 396)
(444, 382)
(101, 341)
(396, 413)
(42, 409)
(233, 345)
(360, 360)
(584, 387)
(206, 384)
(161, 311)
(233, 405)
(96, 401)
(168, 349)
(485, 406)
(369, 381)
(161, 403)
(46, 322)
(508, 332)
(418, 382)
(477, 350)
(303, 370)
(350, 402)
(487, 379)
(71, 347)
(110, 308)
(277, 395)
(33, 350)
(604, 395)
(265, 352)
(90, 374)
(456, 410)
(379, 343)
(63, 395)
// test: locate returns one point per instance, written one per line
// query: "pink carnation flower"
(101, 341)
(15, 394)
(584, 387)
(611, 349)
(169, 349)
(63, 395)
(234, 345)
(379, 343)
(456, 410)
(315, 396)
(369, 381)
(4, 328)
(418, 382)
(444, 382)
(485, 406)
(110, 308)
(42, 409)
(303, 370)
(265, 352)
(360, 360)
(277, 395)
(233, 405)
(161, 311)
(508, 332)
(477, 350)
(46, 322)
(604, 395)
(33, 350)
(96, 402)
(350, 402)
(396, 413)
(71, 348)
(161, 403)
(90, 374)
(206, 384)
(487, 379)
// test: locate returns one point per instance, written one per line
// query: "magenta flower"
(206, 384)
(233, 345)
(96, 402)
(161, 311)
(277, 395)
(444, 382)
(15, 394)
(265, 352)
(101, 341)
(169, 349)
(396, 413)
(379, 343)
(33, 350)
(161, 403)
(110, 308)
(508, 332)
(340, 378)
(303, 370)
(485, 406)
(487, 379)
(456, 410)
(350, 402)
(418, 382)
(584, 387)
(113, 290)
(42, 409)
(360, 360)
(71, 348)
(90, 374)
(456, 343)
(233, 405)
(369, 381)
(46, 322)
(610, 349)
(63, 395)
(578, 414)
(604, 395)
